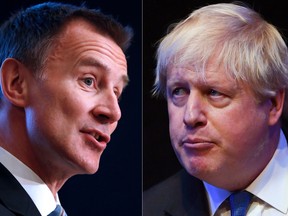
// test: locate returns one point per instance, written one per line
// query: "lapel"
(13, 196)
(189, 197)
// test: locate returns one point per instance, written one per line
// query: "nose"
(195, 115)
(107, 109)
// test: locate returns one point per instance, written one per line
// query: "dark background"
(159, 160)
(116, 188)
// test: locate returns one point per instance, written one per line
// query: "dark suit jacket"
(13, 198)
(179, 195)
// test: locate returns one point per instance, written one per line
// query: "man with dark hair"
(63, 71)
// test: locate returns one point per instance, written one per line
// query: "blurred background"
(116, 188)
(159, 160)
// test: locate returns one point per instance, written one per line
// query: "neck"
(14, 138)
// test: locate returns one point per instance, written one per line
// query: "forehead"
(211, 77)
(196, 73)
(79, 37)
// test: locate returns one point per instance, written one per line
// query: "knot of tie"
(239, 202)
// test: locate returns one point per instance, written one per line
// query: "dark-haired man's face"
(74, 109)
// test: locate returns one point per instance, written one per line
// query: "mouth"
(197, 144)
(98, 138)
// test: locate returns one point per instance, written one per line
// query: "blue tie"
(239, 202)
(58, 211)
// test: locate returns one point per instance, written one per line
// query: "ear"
(13, 81)
(277, 103)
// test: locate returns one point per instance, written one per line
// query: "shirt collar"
(271, 185)
(215, 196)
(275, 173)
(31, 182)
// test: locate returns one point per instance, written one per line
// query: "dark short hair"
(29, 33)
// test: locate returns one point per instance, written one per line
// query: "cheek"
(175, 114)
(241, 129)
(113, 127)
(60, 116)
(42, 127)
(71, 106)
(176, 124)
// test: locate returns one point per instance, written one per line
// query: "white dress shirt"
(33, 185)
(270, 188)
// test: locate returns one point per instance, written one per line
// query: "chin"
(91, 168)
(86, 167)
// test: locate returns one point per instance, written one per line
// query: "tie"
(58, 211)
(239, 202)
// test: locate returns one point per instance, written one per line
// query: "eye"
(117, 94)
(179, 91)
(214, 93)
(88, 81)
(178, 95)
(119, 98)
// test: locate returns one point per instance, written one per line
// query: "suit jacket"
(14, 200)
(179, 195)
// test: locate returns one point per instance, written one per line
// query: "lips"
(98, 138)
(95, 135)
(195, 140)
(197, 143)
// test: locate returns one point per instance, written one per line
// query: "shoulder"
(174, 184)
(5, 211)
(14, 200)
(180, 191)
(166, 186)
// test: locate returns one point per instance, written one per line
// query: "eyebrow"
(95, 63)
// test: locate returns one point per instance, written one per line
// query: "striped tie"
(58, 211)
